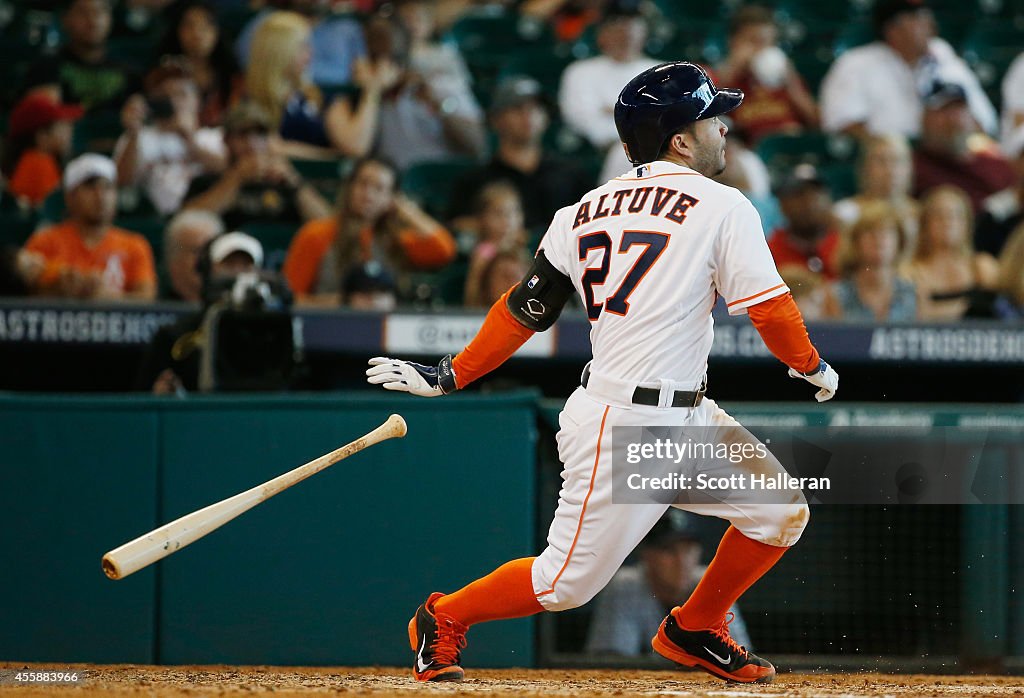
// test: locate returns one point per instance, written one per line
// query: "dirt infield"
(282, 682)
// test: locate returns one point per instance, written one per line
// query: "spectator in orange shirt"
(86, 256)
(375, 221)
(38, 141)
(809, 238)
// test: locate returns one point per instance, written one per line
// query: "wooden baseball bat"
(169, 538)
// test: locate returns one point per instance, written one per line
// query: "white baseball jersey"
(649, 252)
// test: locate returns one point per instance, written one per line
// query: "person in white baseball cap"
(88, 167)
(230, 249)
(86, 256)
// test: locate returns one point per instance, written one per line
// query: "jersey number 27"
(618, 302)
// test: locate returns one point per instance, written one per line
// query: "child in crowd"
(38, 142)
(499, 228)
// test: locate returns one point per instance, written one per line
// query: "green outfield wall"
(327, 572)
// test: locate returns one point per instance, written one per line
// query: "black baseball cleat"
(712, 650)
(438, 640)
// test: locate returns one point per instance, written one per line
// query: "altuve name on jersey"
(672, 204)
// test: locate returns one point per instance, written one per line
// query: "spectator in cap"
(545, 183)
(164, 155)
(878, 88)
(258, 184)
(81, 72)
(952, 152)
(639, 596)
(590, 86)
(1003, 211)
(374, 222)
(369, 286)
(184, 238)
(38, 141)
(193, 33)
(172, 360)
(871, 288)
(86, 256)
(775, 97)
(809, 237)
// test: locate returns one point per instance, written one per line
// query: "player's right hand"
(409, 377)
(824, 377)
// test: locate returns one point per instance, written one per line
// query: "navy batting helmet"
(661, 100)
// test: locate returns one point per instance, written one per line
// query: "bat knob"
(110, 568)
(398, 425)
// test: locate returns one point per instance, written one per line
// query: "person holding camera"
(259, 185)
(201, 350)
(163, 147)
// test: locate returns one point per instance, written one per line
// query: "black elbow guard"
(539, 298)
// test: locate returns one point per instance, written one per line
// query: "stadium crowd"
(413, 151)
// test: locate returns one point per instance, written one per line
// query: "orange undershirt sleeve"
(498, 339)
(781, 326)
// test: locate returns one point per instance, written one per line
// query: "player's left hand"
(824, 377)
(409, 377)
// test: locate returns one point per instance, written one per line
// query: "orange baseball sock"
(738, 563)
(507, 592)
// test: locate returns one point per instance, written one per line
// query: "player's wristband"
(446, 376)
(822, 367)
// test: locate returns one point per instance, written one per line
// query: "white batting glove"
(824, 377)
(409, 377)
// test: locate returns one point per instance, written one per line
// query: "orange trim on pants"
(583, 512)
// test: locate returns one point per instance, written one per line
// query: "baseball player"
(649, 253)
